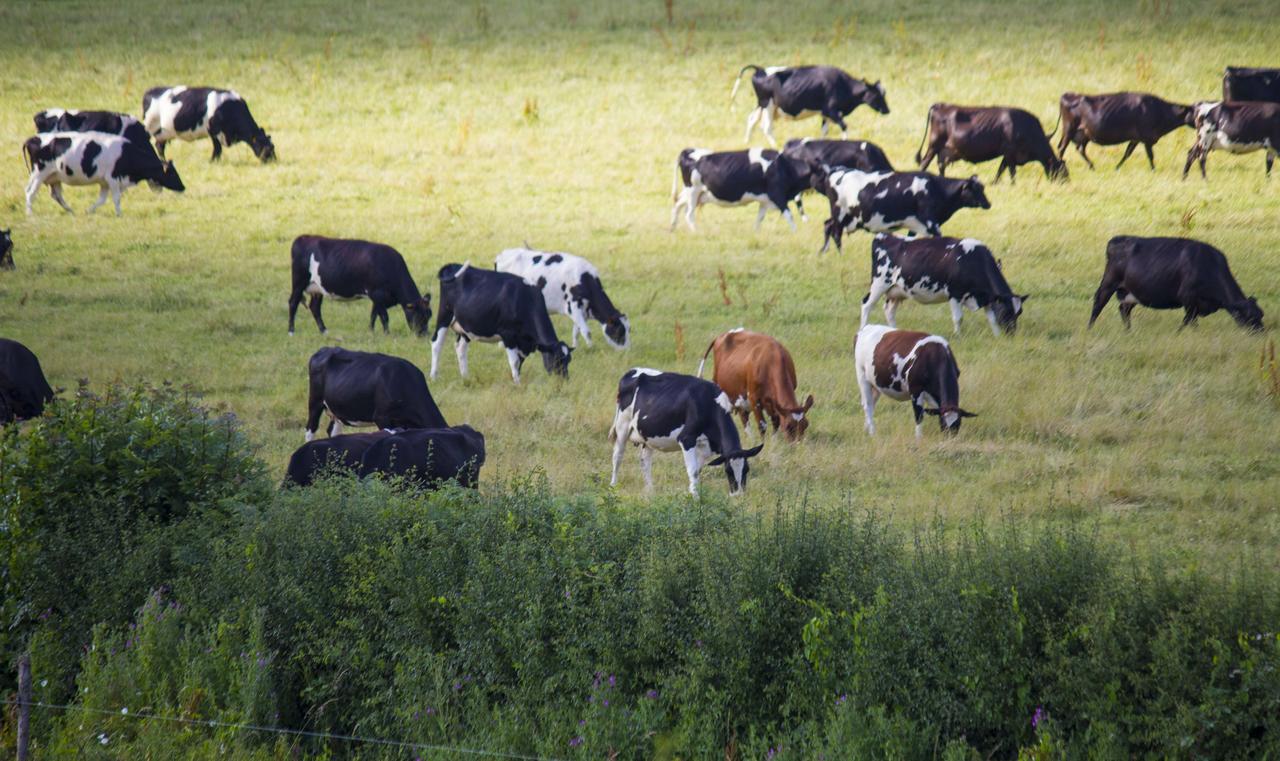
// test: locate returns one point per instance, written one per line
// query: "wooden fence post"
(24, 705)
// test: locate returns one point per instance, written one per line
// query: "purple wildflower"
(582, 722)
(840, 700)
(1037, 717)
(575, 742)
(772, 752)
(431, 711)
(651, 694)
(457, 686)
(612, 680)
(606, 702)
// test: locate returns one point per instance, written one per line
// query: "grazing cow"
(931, 270)
(352, 269)
(1244, 83)
(428, 456)
(93, 158)
(1172, 273)
(6, 250)
(571, 286)
(1115, 118)
(110, 122)
(734, 178)
(336, 452)
(668, 411)
(982, 133)
(803, 91)
(362, 388)
(838, 154)
(908, 366)
(483, 305)
(883, 201)
(1242, 127)
(757, 373)
(23, 388)
(190, 113)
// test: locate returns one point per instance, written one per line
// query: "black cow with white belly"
(882, 201)
(428, 457)
(799, 92)
(94, 158)
(961, 272)
(110, 122)
(667, 412)
(23, 389)
(838, 154)
(346, 269)
(190, 113)
(6, 250)
(334, 453)
(1247, 83)
(1242, 127)
(489, 306)
(363, 388)
(734, 178)
(1172, 273)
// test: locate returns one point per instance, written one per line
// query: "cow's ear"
(966, 413)
(932, 411)
(752, 452)
(718, 461)
(1024, 297)
(807, 403)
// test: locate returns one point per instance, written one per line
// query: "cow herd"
(754, 374)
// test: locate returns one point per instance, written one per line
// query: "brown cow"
(982, 133)
(1115, 118)
(757, 374)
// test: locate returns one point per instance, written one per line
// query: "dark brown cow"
(982, 133)
(908, 366)
(1240, 127)
(1246, 83)
(1120, 117)
(757, 374)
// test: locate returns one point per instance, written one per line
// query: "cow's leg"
(160, 146)
(1191, 157)
(315, 406)
(786, 214)
(957, 314)
(1126, 309)
(1189, 317)
(295, 299)
(1004, 164)
(1271, 159)
(33, 187)
(1203, 155)
(335, 426)
(646, 467)
(681, 200)
(578, 318)
(1013, 171)
(314, 306)
(891, 311)
(878, 289)
(692, 465)
(619, 448)
(1080, 148)
(942, 166)
(760, 216)
(869, 398)
(515, 360)
(217, 147)
(116, 191)
(991, 319)
(824, 126)
(918, 411)
(460, 350)
(102, 198)
(437, 343)
(766, 123)
(752, 118)
(55, 190)
(691, 206)
(832, 114)
(1128, 151)
(1151, 157)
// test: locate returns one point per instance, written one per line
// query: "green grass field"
(452, 131)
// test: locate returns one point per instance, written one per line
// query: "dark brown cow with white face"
(982, 133)
(909, 366)
(757, 374)
(1240, 127)
(1120, 117)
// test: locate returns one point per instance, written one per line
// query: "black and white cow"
(1240, 127)
(571, 286)
(932, 270)
(23, 389)
(6, 250)
(838, 154)
(94, 158)
(110, 122)
(667, 412)
(190, 113)
(334, 453)
(428, 456)
(351, 269)
(908, 366)
(800, 92)
(1245, 83)
(1172, 273)
(484, 305)
(362, 388)
(734, 178)
(884, 201)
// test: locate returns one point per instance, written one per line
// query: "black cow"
(110, 122)
(23, 389)
(1115, 118)
(1244, 83)
(483, 305)
(363, 388)
(803, 91)
(94, 158)
(1172, 273)
(931, 270)
(336, 452)
(1242, 127)
(838, 154)
(351, 269)
(6, 250)
(190, 113)
(669, 412)
(428, 456)
(734, 178)
(982, 133)
(884, 201)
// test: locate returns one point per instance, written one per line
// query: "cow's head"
(972, 193)
(796, 421)
(419, 315)
(1247, 314)
(875, 98)
(617, 331)
(949, 417)
(262, 146)
(555, 358)
(168, 179)
(1007, 309)
(736, 467)
(6, 250)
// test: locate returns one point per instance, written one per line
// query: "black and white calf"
(23, 389)
(94, 158)
(336, 452)
(110, 122)
(932, 270)
(882, 201)
(571, 286)
(668, 412)
(483, 305)
(359, 388)
(190, 113)
(734, 178)
(908, 366)
(1242, 127)
(428, 456)
(800, 92)
(838, 154)
(6, 250)
(351, 269)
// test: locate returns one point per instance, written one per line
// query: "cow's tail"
(703, 363)
(1056, 124)
(675, 183)
(928, 121)
(737, 82)
(26, 156)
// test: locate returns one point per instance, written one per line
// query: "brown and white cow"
(1235, 127)
(908, 366)
(982, 133)
(757, 373)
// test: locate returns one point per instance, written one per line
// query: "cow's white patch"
(967, 245)
(636, 371)
(797, 416)
(771, 70)
(918, 185)
(68, 168)
(756, 156)
(162, 112)
(723, 401)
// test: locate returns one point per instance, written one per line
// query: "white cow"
(93, 158)
(571, 286)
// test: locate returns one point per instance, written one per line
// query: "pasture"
(452, 131)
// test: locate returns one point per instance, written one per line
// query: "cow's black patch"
(542, 283)
(537, 258)
(87, 163)
(191, 111)
(554, 259)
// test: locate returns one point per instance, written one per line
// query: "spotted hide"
(734, 178)
(190, 113)
(908, 366)
(758, 375)
(571, 286)
(884, 201)
(1236, 128)
(93, 158)
(110, 122)
(799, 92)
(345, 270)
